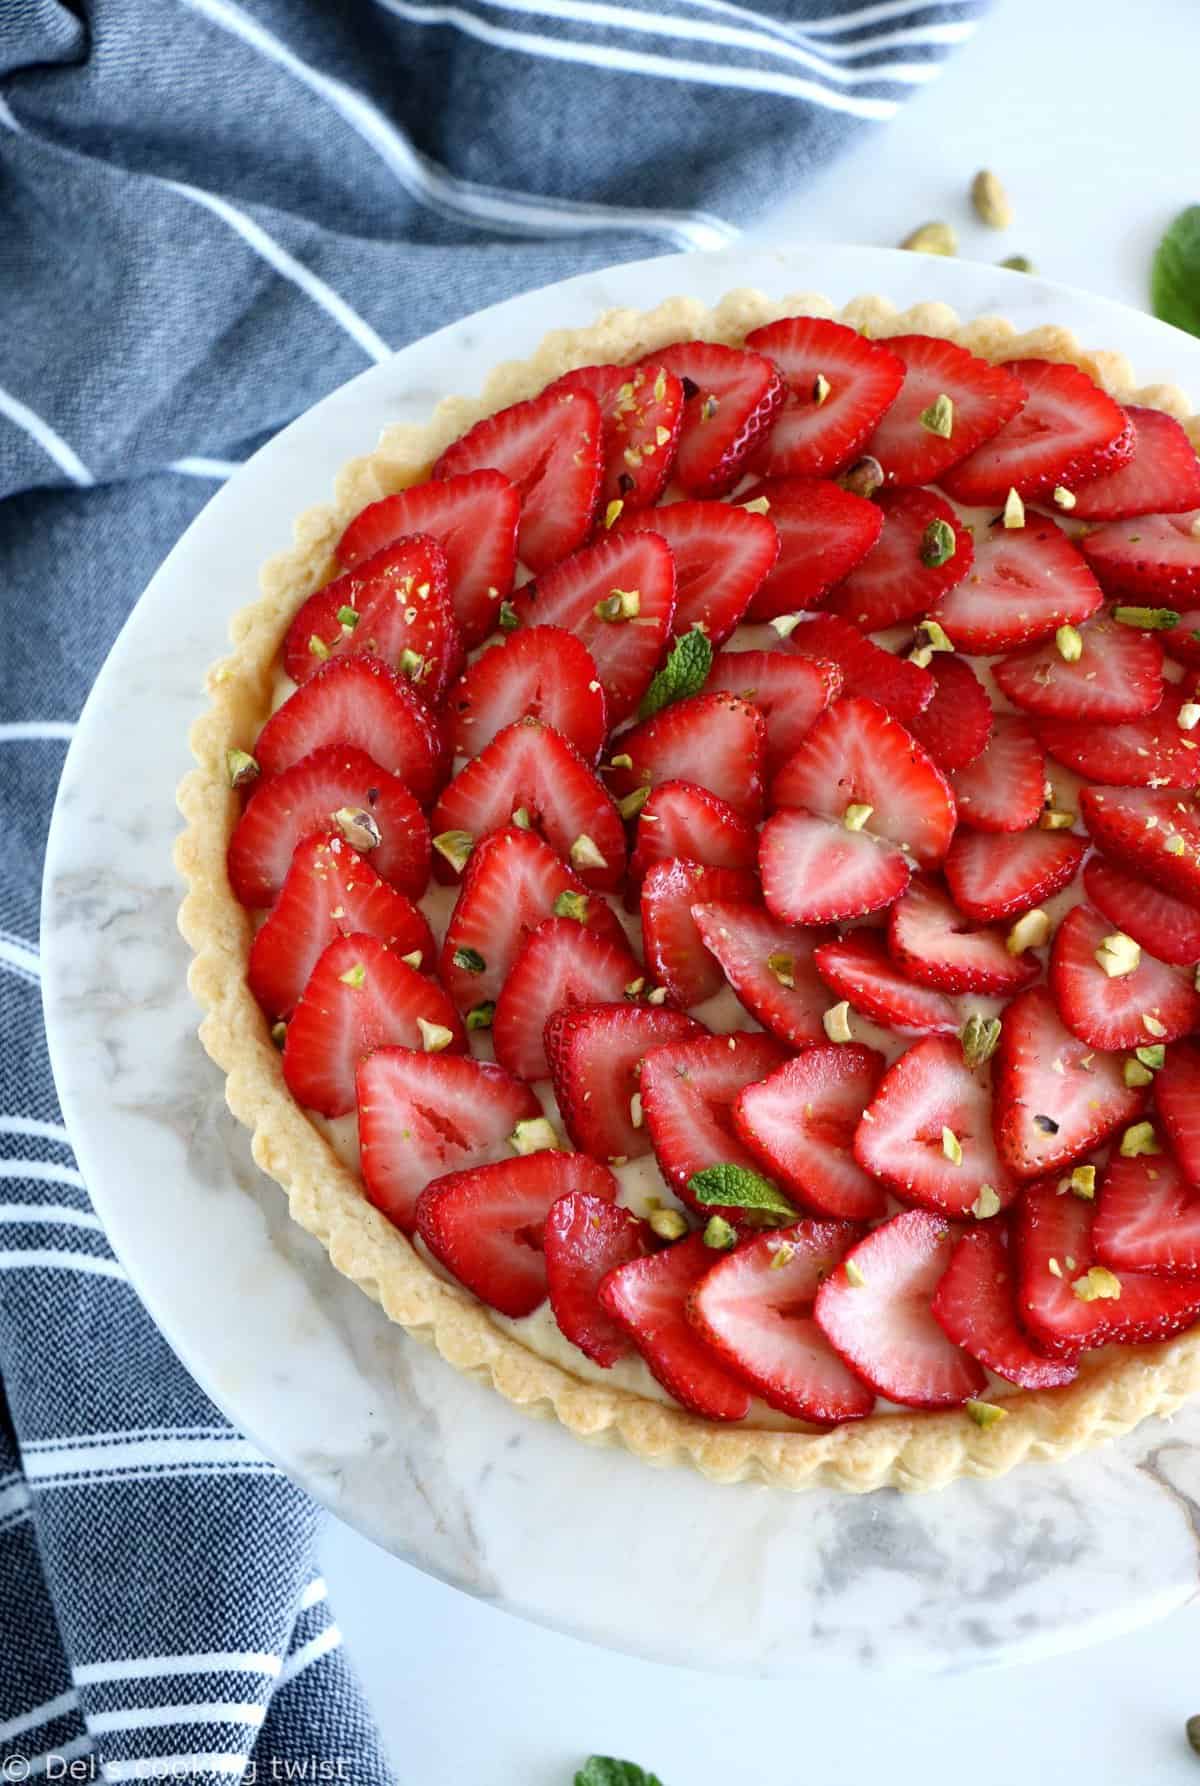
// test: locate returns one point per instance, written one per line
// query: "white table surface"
(1092, 127)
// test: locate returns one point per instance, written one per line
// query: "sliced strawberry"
(1153, 752)
(1177, 1096)
(473, 519)
(596, 1054)
(330, 891)
(800, 1123)
(1004, 788)
(1118, 675)
(859, 968)
(561, 963)
(577, 595)
(907, 572)
(731, 398)
(1153, 1003)
(814, 871)
(360, 702)
(975, 1306)
(306, 798)
(824, 532)
(867, 669)
(1150, 832)
(715, 740)
(540, 672)
(1148, 1218)
(1166, 926)
(485, 1224)
(672, 945)
(1061, 435)
(360, 996)
(722, 555)
(682, 819)
(688, 1090)
(421, 1115)
(819, 432)
(769, 966)
(1025, 583)
(879, 1317)
(1161, 478)
(642, 411)
(754, 1307)
(1182, 642)
(552, 448)
(788, 691)
(648, 1298)
(530, 767)
(1153, 559)
(1055, 1097)
(935, 945)
(996, 874)
(956, 725)
(983, 397)
(585, 1238)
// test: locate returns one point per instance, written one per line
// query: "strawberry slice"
(754, 1307)
(397, 601)
(360, 997)
(879, 1317)
(1062, 435)
(530, 768)
(672, 945)
(911, 567)
(1177, 1096)
(996, 874)
(688, 1091)
(856, 754)
(713, 739)
(1152, 752)
(683, 819)
(578, 595)
(769, 966)
(1161, 478)
(867, 669)
(306, 798)
(595, 1054)
(642, 412)
(788, 691)
(935, 945)
(1055, 1097)
(473, 519)
(1166, 926)
(552, 448)
(1004, 788)
(860, 969)
(648, 1299)
(1118, 675)
(584, 1239)
(956, 725)
(540, 672)
(731, 399)
(1182, 642)
(330, 891)
(1152, 833)
(561, 963)
(1153, 559)
(1026, 582)
(824, 532)
(814, 871)
(983, 399)
(360, 702)
(722, 554)
(820, 431)
(800, 1122)
(975, 1306)
(1152, 1003)
(1148, 1218)
(485, 1224)
(422, 1115)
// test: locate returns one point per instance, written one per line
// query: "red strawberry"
(907, 572)
(540, 671)
(674, 951)
(562, 963)
(1165, 926)
(715, 740)
(1061, 435)
(330, 891)
(820, 431)
(956, 725)
(1116, 1012)
(395, 601)
(1055, 1098)
(788, 691)
(688, 1091)
(1152, 752)
(1026, 582)
(814, 871)
(1117, 676)
(731, 400)
(596, 1054)
(585, 1238)
(473, 519)
(530, 767)
(360, 702)
(824, 532)
(769, 966)
(421, 1115)
(642, 411)
(552, 448)
(1161, 478)
(1150, 832)
(1182, 642)
(1148, 1218)
(983, 396)
(754, 1307)
(1156, 558)
(975, 1306)
(721, 555)
(1177, 1096)
(879, 1317)
(485, 1224)
(1004, 788)
(682, 819)
(579, 593)
(648, 1298)
(860, 969)
(800, 1122)
(360, 997)
(994, 875)
(936, 946)
(306, 798)
(867, 669)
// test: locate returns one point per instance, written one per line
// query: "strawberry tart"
(694, 876)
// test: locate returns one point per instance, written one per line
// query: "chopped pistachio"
(1054, 1268)
(1153, 1055)
(1069, 641)
(979, 1036)
(584, 854)
(991, 202)
(279, 1034)
(1139, 1138)
(1018, 263)
(635, 1110)
(622, 761)
(1082, 1183)
(509, 619)
(987, 1203)
(355, 976)
(952, 1146)
(1097, 1285)
(571, 905)
(1031, 931)
(938, 418)
(931, 238)
(348, 617)
(521, 819)
(836, 1021)
(657, 995)
(986, 1414)
(455, 847)
(412, 959)
(854, 1274)
(1063, 498)
(1014, 510)
(1053, 818)
(783, 966)
(1175, 845)
(1149, 619)
(668, 1224)
(480, 1016)
(934, 635)
(318, 647)
(719, 1234)
(856, 816)
(864, 477)
(358, 827)
(708, 408)
(1046, 1124)
(534, 1134)
(613, 511)
(634, 987)
(435, 1037)
(761, 505)
(1152, 1026)
(469, 960)
(1118, 955)
(782, 1254)
(1135, 1074)
(241, 768)
(821, 388)
(785, 624)
(632, 804)
(413, 665)
(938, 543)
(1188, 716)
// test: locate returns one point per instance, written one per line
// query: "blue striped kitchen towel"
(212, 212)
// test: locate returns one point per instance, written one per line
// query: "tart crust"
(906, 1451)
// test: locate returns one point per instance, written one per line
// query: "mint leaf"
(684, 673)
(737, 1187)
(602, 1770)
(1175, 278)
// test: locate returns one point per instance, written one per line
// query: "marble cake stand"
(431, 1465)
